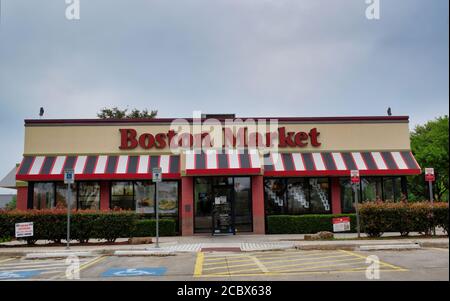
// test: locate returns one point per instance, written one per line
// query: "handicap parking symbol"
(124, 272)
(18, 275)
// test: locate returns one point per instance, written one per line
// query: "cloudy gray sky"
(249, 57)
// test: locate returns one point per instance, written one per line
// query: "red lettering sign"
(129, 139)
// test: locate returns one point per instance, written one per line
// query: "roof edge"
(190, 120)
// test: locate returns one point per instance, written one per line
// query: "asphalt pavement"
(429, 264)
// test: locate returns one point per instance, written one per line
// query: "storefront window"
(89, 195)
(122, 196)
(297, 195)
(392, 187)
(275, 195)
(388, 189)
(371, 189)
(168, 199)
(319, 196)
(145, 197)
(347, 195)
(43, 195)
(61, 196)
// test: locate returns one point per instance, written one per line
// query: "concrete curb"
(60, 254)
(348, 247)
(157, 252)
(395, 247)
(301, 245)
(373, 246)
(427, 244)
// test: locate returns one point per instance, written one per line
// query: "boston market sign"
(131, 139)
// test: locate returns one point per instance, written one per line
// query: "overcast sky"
(249, 57)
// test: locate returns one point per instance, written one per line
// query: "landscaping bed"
(85, 225)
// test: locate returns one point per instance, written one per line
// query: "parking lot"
(424, 264)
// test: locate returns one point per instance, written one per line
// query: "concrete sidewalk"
(247, 242)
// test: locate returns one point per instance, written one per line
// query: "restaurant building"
(302, 167)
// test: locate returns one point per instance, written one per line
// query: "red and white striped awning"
(340, 164)
(47, 168)
(226, 162)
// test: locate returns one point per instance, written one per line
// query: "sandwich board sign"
(341, 224)
(24, 229)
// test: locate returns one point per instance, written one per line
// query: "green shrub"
(441, 216)
(147, 227)
(305, 224)
(380, 217)
(115, 224)
(5, 239)
(84, 224)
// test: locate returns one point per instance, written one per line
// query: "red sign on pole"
(429, 174)
(354, 176)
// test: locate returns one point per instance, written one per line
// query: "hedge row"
(84, 225)
(305, 224)
(377, 218)
(147, 227)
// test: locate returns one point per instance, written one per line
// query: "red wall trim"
(169, 120)
(22, 198)
(336, 196)
(258, 211)
(187, 206)
(105, 192)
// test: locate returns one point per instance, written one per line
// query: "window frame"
(403, 189)
(154, 204)
(99, 196)
(307, 181)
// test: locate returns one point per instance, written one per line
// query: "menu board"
(222, 222)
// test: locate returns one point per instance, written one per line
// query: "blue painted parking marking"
(5, 275)
(124, 272)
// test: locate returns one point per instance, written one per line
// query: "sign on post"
(24, 229)
(157, 178)
(354, 176)
(156, 175)
(429, 175)
(69, 177)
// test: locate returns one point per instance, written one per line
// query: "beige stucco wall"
(105, 139)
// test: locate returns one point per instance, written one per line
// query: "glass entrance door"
(222, 210)
(221, 202)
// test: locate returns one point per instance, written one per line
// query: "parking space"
(284, 263)
(16, 268)
(142, 268)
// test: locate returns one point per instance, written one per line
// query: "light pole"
(69, 178)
